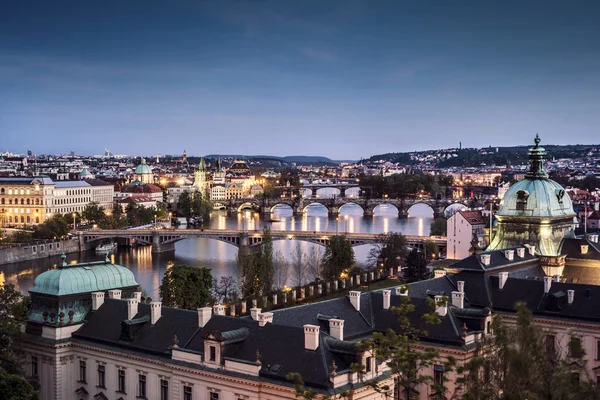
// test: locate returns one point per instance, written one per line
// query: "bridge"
(163, 240)
(333, 205)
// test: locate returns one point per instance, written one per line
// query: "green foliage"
(524, 362)
(390, 251)
(438, 227)
(416, 266)
(93, 213)
(432, 250)
(338, 257)
(404, 185)
(56, 226)
(186, 287)
(13, 313)
(194, 205)
(20, 236)
(139, 215)
(224, 289)
(256, 271)
(301, 391)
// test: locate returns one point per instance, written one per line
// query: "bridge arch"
(282, 207)
(452, 208)
(219, 206)
(328, 192)
(315, 207)
(353, 192)
(385, 209)
(248, 206)
(350, 208)
(421, 205)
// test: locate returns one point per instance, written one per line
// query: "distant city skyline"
(339, 79)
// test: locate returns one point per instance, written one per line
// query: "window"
(438, 374)
(164, 389)
(597, 349)
(121, 380)
(82, 371)
(142, 386)
(34, 366)
(213, 353)
(214, 396)
(575, 347)
(101, 381)
(368, 364)
(522, 200)
(187, 393)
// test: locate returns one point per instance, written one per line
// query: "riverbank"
(39, 249)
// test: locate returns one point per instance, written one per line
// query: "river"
(220, 257)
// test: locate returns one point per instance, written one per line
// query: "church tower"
(184, 158)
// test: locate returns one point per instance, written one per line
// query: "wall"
(28, 251)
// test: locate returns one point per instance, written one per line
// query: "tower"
(184, 158)
(200, 178)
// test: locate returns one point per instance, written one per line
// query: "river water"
(220, 256)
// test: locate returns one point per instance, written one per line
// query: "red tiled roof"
(473, 217)
(137, 199)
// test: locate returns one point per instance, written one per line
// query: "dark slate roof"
(577, 274)
(97, 182)
(572, 248)
(355, 324)
(553, 304)
(497, 260)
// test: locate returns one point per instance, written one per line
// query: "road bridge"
(333, 205)
(163, 240)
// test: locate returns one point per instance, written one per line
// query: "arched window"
(37, 202)
(2, 201)
(22, 219)
(28, 219)
(28, 201)
(10, 219)
(37, 220)
(22, 201)
(2, 191)
(9, 201)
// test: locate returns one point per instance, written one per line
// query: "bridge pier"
(333, 211)
(402, 214)
(158, 247)
(368, 212)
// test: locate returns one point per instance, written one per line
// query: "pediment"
(100, 396)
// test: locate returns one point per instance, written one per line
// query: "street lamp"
(337, 221)
(74, 224)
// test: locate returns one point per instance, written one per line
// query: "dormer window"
(560, 193)
(213, 354)
(522, 197)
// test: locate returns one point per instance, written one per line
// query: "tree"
(389, 252)
(54, 227)
(338, 257)
(438, 227)
(224, 290)
(256, 271)
(265, 260)
(13, 313)
(281, 267)
(93, 213)
(298, 266)
(186, 287)
(184, 205)
(432, 250)
(139, 215)
(200, 206)
(314, 261)
(524, 362)
(416, 266)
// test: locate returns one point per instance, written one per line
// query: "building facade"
(464, 231)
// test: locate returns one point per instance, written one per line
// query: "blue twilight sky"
(344, 79)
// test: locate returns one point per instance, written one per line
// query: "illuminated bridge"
(163, 240)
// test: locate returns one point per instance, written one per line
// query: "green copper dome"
(536, 198)
(143, 168)
(83, 278)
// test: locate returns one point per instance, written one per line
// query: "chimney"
(460, 285)
(438, 273)
(458, 299)
(219, 309)
(132, 308)
(441, 310)
(485, 259)
(593, 238)
(355, 299)
(556, 278)
(547, 283)
(584, 248)
(532, 250)
(402, 290)
(502, 277)
(204, 315)
(570, 295)
(509, 254)
(521, 252)
(114, 294)
(387, 295)
(336, 328)
(97, 300)
(265, 318)
(255, 312)
(137, 296)
(311, 337)
(155, 309)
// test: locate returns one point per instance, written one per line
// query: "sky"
(343, 79)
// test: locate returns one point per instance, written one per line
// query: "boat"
(106, 247)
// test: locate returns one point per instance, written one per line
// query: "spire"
(537, 156)
(201, 166)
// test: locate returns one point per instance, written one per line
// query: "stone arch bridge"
(163, 240)
(333, 205)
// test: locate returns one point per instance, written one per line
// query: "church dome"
(143, 168)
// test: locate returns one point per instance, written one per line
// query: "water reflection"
(221, 257)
